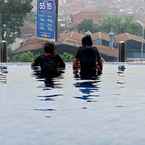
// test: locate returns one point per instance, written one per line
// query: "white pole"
(142, 46)
(143, 43)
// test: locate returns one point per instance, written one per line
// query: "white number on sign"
(50, 6)
(42, 6)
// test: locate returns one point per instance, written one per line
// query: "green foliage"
(67, 57)
(87, 25)
(116, 24)
(120, 24)
(29, 56)
(23, 57)
(12, 15)
(37, 53)
(31, 17)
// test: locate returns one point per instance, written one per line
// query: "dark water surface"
(66, 111)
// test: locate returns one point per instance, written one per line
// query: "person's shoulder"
(79, 50)
(38, 57)
(36, 61)
(95, 48)
(57, 56)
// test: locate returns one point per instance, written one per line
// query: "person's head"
(87, 41)
(49, 47)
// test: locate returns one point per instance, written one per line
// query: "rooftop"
(127, 36)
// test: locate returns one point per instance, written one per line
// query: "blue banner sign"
(46, 19)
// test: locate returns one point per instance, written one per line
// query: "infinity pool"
(67, 111)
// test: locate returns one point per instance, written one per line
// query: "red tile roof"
(101, 35)
(127, 36)
(73, 38)
(31, 44)
(107, 50)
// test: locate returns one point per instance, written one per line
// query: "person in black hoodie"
(88, 59)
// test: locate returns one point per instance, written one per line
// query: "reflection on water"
(45, 110)
(3, 74)
(121, 77)
(121, 68)
(89, 89)
(49, 97)
(62, 110)
(50, 84)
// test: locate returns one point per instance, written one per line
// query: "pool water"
(67, 111)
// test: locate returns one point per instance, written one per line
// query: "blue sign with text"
(46, 19)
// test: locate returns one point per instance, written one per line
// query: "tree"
(87, 25)
(67, 56)
(23, 57)
(12, 14)
(120, 24)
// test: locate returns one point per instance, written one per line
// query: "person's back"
(49, 62)
(88, 57)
